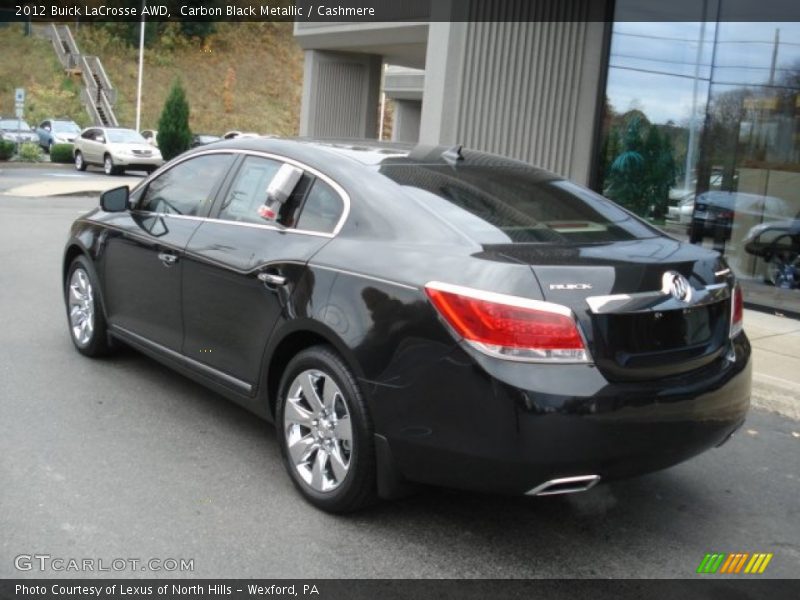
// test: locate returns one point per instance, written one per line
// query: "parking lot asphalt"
(122, 458)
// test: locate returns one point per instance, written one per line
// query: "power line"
(683, 62)
(695, 41)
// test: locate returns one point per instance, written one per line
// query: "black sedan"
(417, 315)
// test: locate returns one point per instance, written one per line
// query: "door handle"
(167, 258)
(272, 279)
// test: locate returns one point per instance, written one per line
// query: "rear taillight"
(737, 311)
(509, 326)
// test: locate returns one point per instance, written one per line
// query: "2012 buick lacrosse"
(417, 315)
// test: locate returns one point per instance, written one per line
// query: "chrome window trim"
(345, 197)
(656, 300)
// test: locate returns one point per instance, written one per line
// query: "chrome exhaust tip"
(565, 485)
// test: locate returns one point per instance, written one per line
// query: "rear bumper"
(476, 423)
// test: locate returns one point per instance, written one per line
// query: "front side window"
(248, 192)
(187, 188)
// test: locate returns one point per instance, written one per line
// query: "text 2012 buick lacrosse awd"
(423, 314)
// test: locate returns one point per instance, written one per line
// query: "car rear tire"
(325, 432)
(87, 324)
(80, 164)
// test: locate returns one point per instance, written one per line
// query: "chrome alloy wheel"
(316, 423)
(108, 165)
(81, 307)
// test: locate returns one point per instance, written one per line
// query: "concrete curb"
(771, 394)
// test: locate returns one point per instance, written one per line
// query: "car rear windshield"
(14, 125)
(509, 204)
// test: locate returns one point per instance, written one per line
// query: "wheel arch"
(292, 340)
(73, 250)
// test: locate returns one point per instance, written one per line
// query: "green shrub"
(174, 135)
(61, 153)
(30, 152)
(6, 149)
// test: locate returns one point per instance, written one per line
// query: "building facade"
(693, 123)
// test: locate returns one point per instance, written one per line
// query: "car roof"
(373, 153)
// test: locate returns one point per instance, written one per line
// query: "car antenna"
(453, 155)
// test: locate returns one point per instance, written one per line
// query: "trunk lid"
(621, 294)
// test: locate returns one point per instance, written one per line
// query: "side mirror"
(279, 190)
(115, 200)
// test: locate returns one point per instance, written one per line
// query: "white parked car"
(682, 212)
(240, 134)
(116, 150)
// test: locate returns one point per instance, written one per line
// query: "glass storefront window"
(701, 135)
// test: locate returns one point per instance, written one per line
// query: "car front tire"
(80, 164)
(325, 432)
(87, 324)
(108, 165)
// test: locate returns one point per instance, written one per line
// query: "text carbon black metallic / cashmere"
(417, 315)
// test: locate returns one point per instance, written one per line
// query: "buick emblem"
(677, 285)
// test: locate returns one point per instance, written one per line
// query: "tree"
(627, 172)
(174, 135)
(642, 171)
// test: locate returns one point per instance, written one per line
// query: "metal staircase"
(97, 93)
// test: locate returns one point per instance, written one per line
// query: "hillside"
(30, 63)
(245, 76)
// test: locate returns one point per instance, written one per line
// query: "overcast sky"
(654, 66)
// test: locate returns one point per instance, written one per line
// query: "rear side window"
(502, 204)
(321, 210)
(187, 188)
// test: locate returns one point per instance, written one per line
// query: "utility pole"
(774, 56)
(141, 68)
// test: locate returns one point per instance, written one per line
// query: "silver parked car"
(116, 150)
(17, 131)
(57, 131)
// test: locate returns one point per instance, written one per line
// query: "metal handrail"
(89, 103)
(105, 81)
(73, 47)
(88, 80)
(55, 38)
(110, 116)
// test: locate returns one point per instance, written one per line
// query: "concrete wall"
(407, 115)
(340, 94)
(518, 78)
(529, 90)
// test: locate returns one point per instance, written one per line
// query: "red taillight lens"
(737, 311)
(509, 326)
